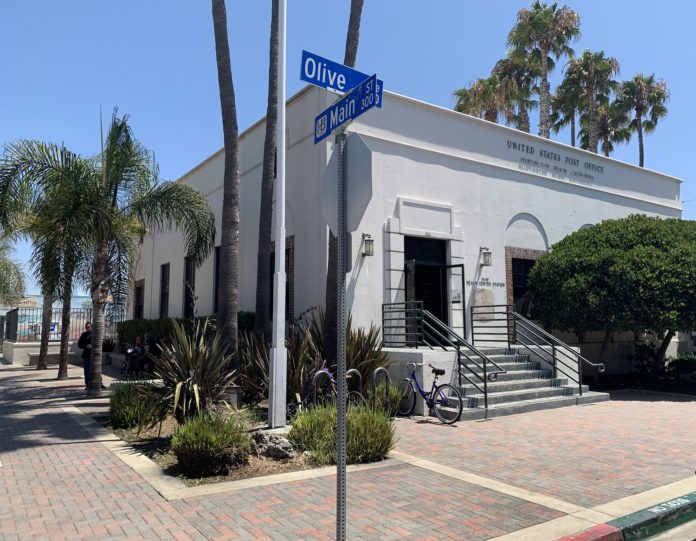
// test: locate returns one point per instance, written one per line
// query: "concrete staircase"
(526, 386)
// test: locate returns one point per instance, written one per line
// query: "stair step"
(468, 389)
(512, 375)
(477, 400)
(514, 408)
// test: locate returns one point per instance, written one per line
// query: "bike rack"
(387, 379)
(352, 373)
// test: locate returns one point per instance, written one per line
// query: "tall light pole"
(278, 372)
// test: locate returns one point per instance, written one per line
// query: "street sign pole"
(341, 261)
(278, 373)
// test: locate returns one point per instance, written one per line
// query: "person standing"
(85, 344)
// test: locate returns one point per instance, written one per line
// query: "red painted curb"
(601, 532)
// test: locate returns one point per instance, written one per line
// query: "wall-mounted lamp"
(368, 245)
(486, 259)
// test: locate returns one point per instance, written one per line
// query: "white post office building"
(444, 208)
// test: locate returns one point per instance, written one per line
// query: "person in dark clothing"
(85, 344)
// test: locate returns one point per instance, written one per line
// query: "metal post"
(341, 339)
(278, 371)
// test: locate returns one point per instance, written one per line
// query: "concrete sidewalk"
(537, 476)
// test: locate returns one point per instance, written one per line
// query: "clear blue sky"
(155, 60)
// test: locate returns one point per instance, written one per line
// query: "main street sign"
(331, 75)
(362, 98)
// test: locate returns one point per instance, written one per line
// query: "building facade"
(457, 210)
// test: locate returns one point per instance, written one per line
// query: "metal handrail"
(419, 327)
(600, 366)
(518, 329)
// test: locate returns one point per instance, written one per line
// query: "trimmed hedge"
(129, 330)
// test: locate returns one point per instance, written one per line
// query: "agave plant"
(254, 352)
(195, 370)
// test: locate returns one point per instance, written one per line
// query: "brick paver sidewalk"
(57, 482)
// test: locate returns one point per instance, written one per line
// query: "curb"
(642, 524)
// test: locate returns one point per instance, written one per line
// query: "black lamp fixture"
(486, 259)
(368, 247)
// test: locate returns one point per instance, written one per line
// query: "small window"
(139, 304)
(164, 291)
(189, 288)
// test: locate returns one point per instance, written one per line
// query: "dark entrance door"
(426, 276)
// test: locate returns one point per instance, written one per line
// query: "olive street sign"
(362, 98)
(331, 75)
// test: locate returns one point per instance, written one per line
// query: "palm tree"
(595, 75)
(37, 170)
(263, 262)
(485, 98)
(566, 103)
(645, 98)
(331, 330)
(228, 294)
(538, 33)
(124, 202)
(11, 275)
(516, 77)
(612, 128)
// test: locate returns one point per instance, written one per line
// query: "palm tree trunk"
(263, 263)
(544, 105)
(100, 292)
(46, 316)
(572, 130)
(523, 124)
(331, 322)
(65, 328)
(641, 152)
(229, 236)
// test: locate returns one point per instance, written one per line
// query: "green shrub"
(378, 399)
(684, 363)
(130, 407)
(210, 445)
(253, 351)
(370, 434)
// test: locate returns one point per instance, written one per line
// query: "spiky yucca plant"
(195, 370)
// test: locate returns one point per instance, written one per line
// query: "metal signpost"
(364, 94)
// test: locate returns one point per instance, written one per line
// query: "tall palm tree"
(540, 32)
(331, 330)
(11, 275)
(595, 74)
(612, 128)
(263, 262)
(516, 75)
(228, 294)
(566, 103)
(485, 98)
(119, 200)
(126, 201)
(48, 219)
(645, 99)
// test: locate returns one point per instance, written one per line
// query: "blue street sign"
(331, 75)
(352, 105)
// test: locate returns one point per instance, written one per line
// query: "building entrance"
(426, 274)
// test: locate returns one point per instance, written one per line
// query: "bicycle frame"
(427, 396)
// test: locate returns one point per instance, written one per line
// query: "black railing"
(24, 324)
(407, 324)
(500, 323)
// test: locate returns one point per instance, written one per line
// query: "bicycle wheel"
(356, 399)
(407, 403)
(447, 403)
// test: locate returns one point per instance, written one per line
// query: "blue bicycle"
(445, 400)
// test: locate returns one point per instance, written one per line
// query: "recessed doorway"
(426, 274)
